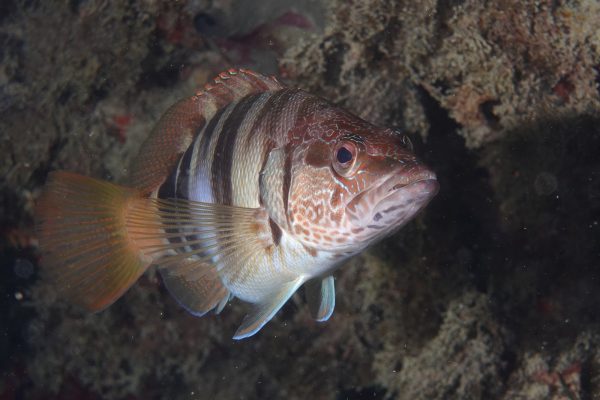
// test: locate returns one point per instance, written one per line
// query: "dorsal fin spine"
(181, 123)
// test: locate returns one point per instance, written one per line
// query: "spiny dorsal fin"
(179, 125)
(234, 84)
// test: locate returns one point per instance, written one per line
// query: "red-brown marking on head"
(351, 177)
(336, 198)
(318, 155)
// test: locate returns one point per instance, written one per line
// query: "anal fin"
(196, 286)
(320, 294)
(263, 312)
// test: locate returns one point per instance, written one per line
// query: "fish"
(247, 189)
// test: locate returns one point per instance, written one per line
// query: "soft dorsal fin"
(179, 125)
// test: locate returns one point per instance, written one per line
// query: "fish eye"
(344, 157)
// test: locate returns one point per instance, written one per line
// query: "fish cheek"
(336, 199)
(318, 155)
(306, 182)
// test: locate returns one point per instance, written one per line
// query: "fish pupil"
(344, 155)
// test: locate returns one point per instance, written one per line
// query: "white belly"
(259, 276)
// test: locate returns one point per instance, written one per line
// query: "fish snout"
(403, 195)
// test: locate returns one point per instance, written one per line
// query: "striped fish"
(247, 189)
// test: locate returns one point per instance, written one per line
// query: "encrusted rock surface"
(491, 66)
(491, 294)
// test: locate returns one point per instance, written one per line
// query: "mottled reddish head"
(352, 183)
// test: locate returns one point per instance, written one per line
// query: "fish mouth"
(427, 178)
(395, 200)
(402, 195)
(418, 177)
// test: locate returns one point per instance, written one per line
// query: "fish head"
(353, 184)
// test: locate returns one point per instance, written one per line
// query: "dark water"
(491, 293)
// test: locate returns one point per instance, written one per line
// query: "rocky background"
(493, 293)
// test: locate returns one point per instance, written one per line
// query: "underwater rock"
(466, 359)
(491, 66)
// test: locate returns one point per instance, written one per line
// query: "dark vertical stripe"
(287, 177)
(223, 157)
(169, 187)
(208, 133)
(275, 232)
(176, 186)
(265, 116)
(183, 168)
(168, 190)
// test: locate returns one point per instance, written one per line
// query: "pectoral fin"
(320, 294)
(263, 312)
(206, 232)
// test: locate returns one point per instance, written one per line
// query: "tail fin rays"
(86, 247)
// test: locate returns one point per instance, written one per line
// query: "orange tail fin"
(86, 247)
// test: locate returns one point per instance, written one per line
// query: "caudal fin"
(86, 247)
